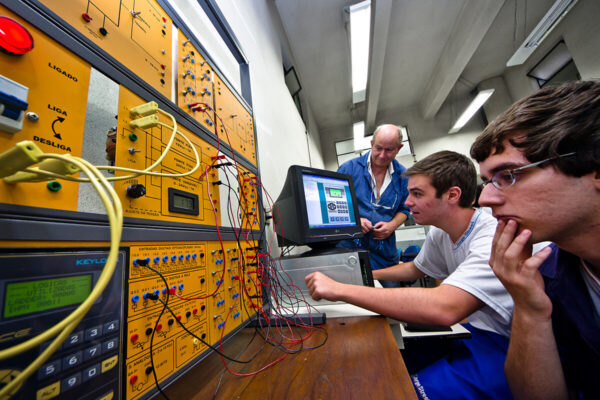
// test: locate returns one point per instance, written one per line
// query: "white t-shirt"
(465, 264)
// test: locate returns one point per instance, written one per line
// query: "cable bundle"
(256, 273)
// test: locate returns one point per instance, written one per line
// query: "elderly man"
(540, 161)
(381, 192)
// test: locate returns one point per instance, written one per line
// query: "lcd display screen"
(183, 202)
(28, 297)
(328, 202)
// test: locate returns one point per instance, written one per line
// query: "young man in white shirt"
(441, 191)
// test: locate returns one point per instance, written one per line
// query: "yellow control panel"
(55, 118)
(249, 190)
(175, 297)
(191, 199)
(211, 288)
(207, 283)
(235, 125)
(137, 33)
(195, 89)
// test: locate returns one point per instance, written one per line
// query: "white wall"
(281, 136)
(283, 139)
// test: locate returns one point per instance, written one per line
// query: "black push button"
(70, 382)
(93, 333)
(110, 345)
(49, 369)
(92, 352)
(72, 360)
(111, 327)
(74, 339)
(91, 372)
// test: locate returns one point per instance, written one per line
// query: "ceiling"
(421, 52)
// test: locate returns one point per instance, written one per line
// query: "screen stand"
(321, 249)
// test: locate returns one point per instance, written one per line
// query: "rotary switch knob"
(136, 190)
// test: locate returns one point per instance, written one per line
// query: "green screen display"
(32, 296)
(335, 192)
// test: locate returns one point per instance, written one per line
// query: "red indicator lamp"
(14, 37)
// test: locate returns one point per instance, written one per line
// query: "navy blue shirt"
(382, 253)
(576, 330)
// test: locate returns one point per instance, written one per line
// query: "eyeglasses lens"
(503, 179)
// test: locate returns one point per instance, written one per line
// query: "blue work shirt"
(382, 253)
(576, 330)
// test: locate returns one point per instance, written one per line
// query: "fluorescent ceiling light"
(360, 141)
(360, 28)
(405, 150)
(475, 105)
(556, 13)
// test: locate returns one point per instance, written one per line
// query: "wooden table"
(360, 360)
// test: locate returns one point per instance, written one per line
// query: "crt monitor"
(316, 208)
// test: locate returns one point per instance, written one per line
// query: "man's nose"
(490, 195)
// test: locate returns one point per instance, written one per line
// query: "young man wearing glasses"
(380, 192)
(442, 190)
(542, 158)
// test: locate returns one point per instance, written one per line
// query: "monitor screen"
(328, 201)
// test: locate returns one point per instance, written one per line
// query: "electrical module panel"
(54, 119)
(235, 125)
(210, 289)
(120, 88)
(192, 198)
(38, 289)
(249, 189)
(137, 33)
(195, 90)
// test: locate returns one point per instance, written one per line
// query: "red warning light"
(14, 37)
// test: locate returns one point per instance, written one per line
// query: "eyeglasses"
(506, 178)
(377, 205)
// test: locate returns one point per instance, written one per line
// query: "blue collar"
(469, 229)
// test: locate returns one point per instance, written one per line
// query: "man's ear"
(453, 194)
(597, 179)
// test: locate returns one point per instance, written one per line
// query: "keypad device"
(85, 355)
(87, 364)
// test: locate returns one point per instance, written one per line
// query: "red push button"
(14, 37)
